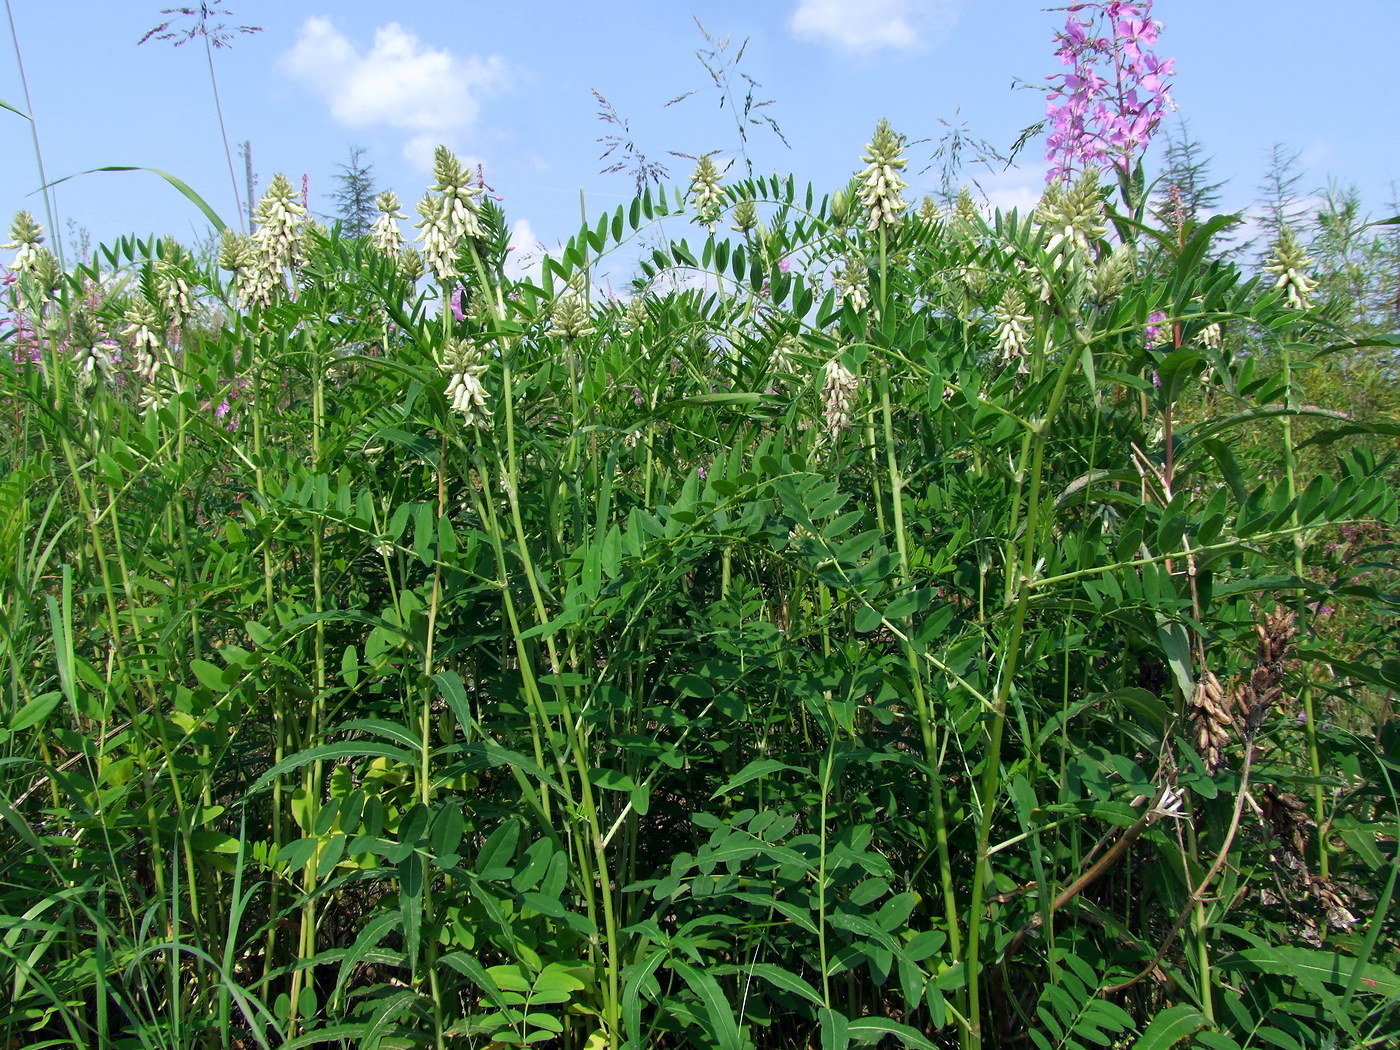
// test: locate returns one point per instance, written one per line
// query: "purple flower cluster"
(1105, 109)
(1156, 322)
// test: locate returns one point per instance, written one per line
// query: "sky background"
(509, 85)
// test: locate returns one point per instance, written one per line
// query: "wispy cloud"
(431, 95)
(864, 27)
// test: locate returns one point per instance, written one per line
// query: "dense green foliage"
(995, 647)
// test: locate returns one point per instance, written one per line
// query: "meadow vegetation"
(883, 624)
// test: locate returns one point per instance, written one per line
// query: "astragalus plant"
(865, 631)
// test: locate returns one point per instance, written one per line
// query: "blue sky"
(509, 85)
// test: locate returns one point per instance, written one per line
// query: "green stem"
(1301, 612)
(1021, 588)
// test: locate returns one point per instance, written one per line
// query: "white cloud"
(400, 83)
(527, 252)
(1019, 188)
(867, 26)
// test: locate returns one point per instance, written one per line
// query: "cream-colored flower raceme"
(929, 211)
(852, 283)
(26, 235)
(385, 234)
(880, 183)
(1012, 331)
(460, 211)
(745, 216)
(465, 368)
(635, 316)
(569, 316)
(174, 292)
(280, 217)
(1109, 279)
(140, 318)
(706, 195)
(1212, 336)
(277, 244)
(1288, 263)
(839, 390)
(783, 359)
(965, 210)
(410, 263)
(93, 353)
(235, 250)
(439, 247)
(1072, 218)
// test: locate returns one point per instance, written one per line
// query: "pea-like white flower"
(1109, 279)
(880, 183)
(1072, 218)
(464, 368)
(706, 195)
(385, 234)
(277, 245)
(439, 246)
(174, 293)
(1289, 261)
(1012, 332)
(140, 329)
(839, 390)
(460, 212)
(851, 283)
(569, 317)
(93, 353)
(26, 235)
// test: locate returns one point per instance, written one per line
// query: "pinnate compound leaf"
(721, 1015)
(1171, 1026)
(759, 767)
(870, 1030)
(786, 980)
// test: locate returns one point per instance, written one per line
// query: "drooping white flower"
(880, 183)
(706, 195)
(385, 234)
(1288, 262)
(145, 343)
(839, 390)
(464, 368)
(1012, 332)
(25, 235)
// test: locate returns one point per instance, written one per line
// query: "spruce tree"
(355, 198)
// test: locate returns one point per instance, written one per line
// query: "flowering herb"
(1105, 109)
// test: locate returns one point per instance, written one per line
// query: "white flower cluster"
(140, 329)
(706, 196)
(1288, 262)
(1012, 332)
(448, 214)
(465, 369)
(880, 183)
(27, 236)
(839, 390)
(384, 233)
